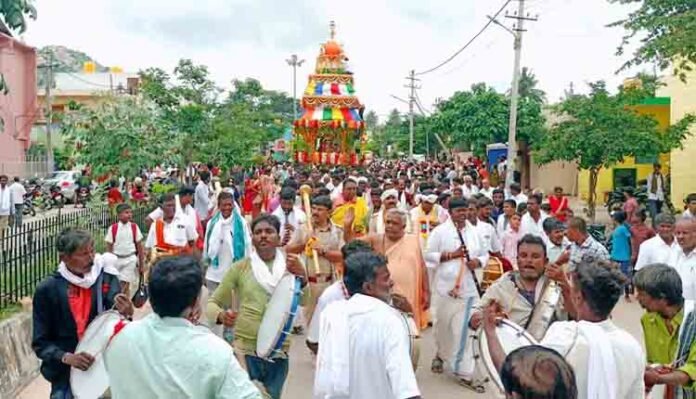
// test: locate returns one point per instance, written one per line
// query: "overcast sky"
(383, 38)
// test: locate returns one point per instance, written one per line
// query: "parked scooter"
(28, 209)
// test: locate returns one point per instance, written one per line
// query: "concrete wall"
(555, 174)
(18, 364)
(683, 102)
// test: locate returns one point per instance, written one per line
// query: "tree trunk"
(592, 201)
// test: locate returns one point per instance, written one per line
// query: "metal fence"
(28, 253)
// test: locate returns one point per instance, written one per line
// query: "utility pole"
(518, 31)
(411, 104)
(295, 63)
(49, 112)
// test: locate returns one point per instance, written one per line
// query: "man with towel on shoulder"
(364, 328)
(608, 362)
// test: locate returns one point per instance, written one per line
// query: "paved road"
(300, 379)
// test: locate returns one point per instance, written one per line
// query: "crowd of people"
(437, 245)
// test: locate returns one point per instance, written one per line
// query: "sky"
(384, 40)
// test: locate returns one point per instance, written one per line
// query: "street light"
(295, 63)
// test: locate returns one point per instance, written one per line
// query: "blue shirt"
(621, 243)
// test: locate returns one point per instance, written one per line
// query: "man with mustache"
(253, 281)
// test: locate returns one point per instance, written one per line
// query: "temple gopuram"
(331, 128)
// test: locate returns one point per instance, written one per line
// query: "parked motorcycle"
(83, 197)
(41, 199)
(28, 209)
(56, 195)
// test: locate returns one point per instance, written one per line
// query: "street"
(301, 377)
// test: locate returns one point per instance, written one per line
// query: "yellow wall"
(605, 181)
(683, 176)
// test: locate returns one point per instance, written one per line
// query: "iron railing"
(28, 253)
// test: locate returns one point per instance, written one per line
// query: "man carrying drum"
(253, 281)
(172, 234)
(608, 361)
(67, 301)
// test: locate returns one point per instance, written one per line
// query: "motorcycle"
(41, 199)
(56, 196)
(28, 209)
(83, 197)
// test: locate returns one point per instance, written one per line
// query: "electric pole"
(518, 30)
(411, 104)
(295, 63)
(49, 111)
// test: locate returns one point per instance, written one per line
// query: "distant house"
(18, 108)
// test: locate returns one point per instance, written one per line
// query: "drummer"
(67, 301)
(519, 292)
(253, 280)
(615, 368)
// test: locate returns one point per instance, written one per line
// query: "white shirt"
(379, 352)
(187, 213)
(687, 214)
(333, 293)
(502, 225)
(654, 250)
(659, 194)
(469, 191)
(178, 233)
(444, 238)
(520, 198)
(216, 273)
(124, 244)
(488, 237)
(171, 358)
(295, 219)
(564, 337)
(488, 192)
(18, 192)
(529, 226)
(5, 201)
(202, 200)
(686, 267)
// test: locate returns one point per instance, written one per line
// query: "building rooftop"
(87, 84)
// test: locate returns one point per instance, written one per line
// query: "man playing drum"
(253, 280)
(166, 355)
(455, 252)
(172, 234)
(608, 361)
(364, 344)
(67, 301)
(669, 328)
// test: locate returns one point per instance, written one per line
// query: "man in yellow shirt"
(669, 327)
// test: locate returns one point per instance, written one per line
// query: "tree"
(670, 28)
(599, 130)
(14, 13)
(119, 137)
(528, 87)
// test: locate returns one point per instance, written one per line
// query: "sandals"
(472, 385)
(437, 366)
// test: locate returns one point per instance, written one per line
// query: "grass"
(10, 311)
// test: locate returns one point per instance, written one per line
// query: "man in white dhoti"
(454, 250)
(608, 362)
(363, 343)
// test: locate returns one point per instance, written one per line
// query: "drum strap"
(536, 304)
(100, 294)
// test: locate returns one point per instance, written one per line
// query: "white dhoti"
(453, 338)
(128, 270)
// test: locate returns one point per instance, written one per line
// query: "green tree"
(669, 27)
(14, 13)
(119, 137)
(528, 87)
(600, 129)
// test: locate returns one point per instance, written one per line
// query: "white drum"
(92, 384)
(278, 318)
(413, 338)
(511, 337)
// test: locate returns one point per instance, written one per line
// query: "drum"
(92, 384)
(511, 337)
(278, 318)
(492, 272)
(413, 338)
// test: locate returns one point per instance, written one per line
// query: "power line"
(453, 56)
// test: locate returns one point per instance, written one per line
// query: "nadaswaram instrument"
(305, 192)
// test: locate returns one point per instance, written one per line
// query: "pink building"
(18, 107)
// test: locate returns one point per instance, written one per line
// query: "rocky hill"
(69, 60)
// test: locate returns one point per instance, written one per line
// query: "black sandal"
(474, 386)
(437, 366)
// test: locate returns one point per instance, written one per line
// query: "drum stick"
(305, 190)
(463, 267)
